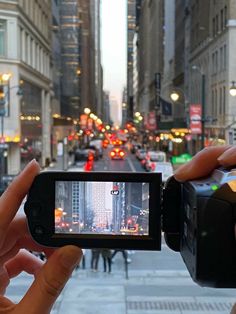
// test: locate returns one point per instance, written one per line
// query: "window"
(217, 24)
(221, 19)
(213, 27)
(221, 59)
(225, 57)
(226, 16)
(221, 102)
(2, 38)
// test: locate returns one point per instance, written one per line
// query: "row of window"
(33, 53)
(219, 60)
(36, 13)
(219, 21)
(218, 101)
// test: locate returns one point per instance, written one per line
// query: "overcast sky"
(114, 43)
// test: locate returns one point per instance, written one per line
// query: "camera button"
(39, 230)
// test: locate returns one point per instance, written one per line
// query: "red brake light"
(112, 154)
(122, 154)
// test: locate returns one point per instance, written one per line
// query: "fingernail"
(70, 256)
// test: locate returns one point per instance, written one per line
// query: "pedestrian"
(95, 259)
(124, 253)
(83, 260)
(106, 255)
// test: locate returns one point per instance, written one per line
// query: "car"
(152, 157)
(141, 153)
(81, 154)
(117, 142)
(117, 153)
(134, 147)
(99, 146)
(165, 168)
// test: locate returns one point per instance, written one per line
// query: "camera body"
(197, 217)
(201, 226)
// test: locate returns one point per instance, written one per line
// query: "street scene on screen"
(120, 208)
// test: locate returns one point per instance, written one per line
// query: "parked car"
(99, 146)
(152, 157)
(134, 147)
(83, 153)
(141, 153)
(165, 168)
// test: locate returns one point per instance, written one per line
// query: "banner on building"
(195, 115)
(150, 121)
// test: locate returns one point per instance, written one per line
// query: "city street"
(158, 281)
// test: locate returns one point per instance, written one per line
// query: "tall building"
(150, 53)
(70, 25)
(25, 55)
(131, 25)
(96, 67)
(82, 76)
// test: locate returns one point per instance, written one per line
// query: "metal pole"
(203, 112)
(2, 128)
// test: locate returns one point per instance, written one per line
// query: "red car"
(117, 153)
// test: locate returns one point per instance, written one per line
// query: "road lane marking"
(131, 165)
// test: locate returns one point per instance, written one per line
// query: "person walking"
(94, 259)
(106, 255)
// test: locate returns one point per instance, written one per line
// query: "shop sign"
(195, 114)
(181, 159)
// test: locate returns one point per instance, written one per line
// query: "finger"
(4, 281)
(202, 163)
(23, 261)
(228, 158)
(14, 194)
(50, 280)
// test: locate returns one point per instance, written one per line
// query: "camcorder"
(131, 210)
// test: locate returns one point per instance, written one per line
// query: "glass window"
(2, 38)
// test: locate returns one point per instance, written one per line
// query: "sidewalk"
(88, 292)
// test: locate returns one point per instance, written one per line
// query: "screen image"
(120, 208)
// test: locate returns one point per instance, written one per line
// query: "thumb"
(50, 281)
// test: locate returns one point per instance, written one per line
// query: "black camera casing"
(202, 227)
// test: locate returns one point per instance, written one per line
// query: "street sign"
(181, 159)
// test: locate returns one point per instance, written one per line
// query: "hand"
(50, 277)
(206, 161)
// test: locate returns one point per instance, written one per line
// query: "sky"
(113, 46)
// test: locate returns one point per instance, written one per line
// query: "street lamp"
(203, 120)
(232, 89)
(174, 96)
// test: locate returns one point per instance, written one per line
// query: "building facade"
(25, 56)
